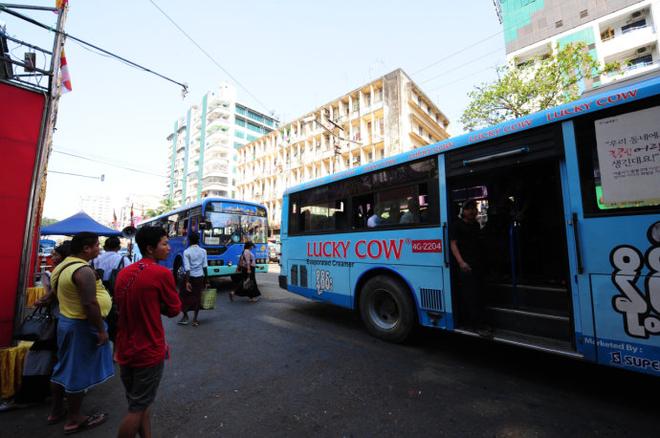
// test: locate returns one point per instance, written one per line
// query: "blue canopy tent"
(75, 224)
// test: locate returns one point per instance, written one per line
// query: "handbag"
(248, 284)
(40, 325)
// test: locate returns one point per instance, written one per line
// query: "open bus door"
(518, 185)
(617, 244)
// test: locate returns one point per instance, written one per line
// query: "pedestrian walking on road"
(195, 264)
(108, 266)
(247, 287)
(143, 292)
(84, 356)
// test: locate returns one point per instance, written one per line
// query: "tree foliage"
(166, 204)
(45, 221)
(537, 84)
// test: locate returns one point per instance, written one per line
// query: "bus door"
(523, 272)
(616, 220)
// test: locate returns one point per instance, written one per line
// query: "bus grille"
(431, 298)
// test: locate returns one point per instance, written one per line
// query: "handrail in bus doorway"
(505, 154)
(576, 237)
(445, 236)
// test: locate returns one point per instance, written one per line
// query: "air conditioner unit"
(642, 50)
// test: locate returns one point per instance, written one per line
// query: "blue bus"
(568, 206)
(224, 225)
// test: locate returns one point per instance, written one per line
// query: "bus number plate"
(427, 245)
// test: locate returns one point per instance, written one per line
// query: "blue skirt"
(81, 364)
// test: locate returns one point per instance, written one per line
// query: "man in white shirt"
(195, 264)
(110, 260)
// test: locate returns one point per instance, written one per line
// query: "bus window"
(225, 229)
(619, 162)
(254, 229)
(171, 225)
(362, 210)
(323, 216)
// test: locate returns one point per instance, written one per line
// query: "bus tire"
(387, 309)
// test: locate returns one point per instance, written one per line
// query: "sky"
(292, 56)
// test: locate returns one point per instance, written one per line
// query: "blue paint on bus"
(597, 290)
(224, 225)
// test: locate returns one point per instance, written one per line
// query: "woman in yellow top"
(84, 356)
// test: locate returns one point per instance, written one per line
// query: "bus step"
(530, 322)
(541, 343)
(546, 299)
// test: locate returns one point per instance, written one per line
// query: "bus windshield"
(234, 223)
(225, 228)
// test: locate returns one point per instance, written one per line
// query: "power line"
(504, 29)
(209, 56)
(462, 78)
(102, 177)
(109, 163)
(4, 8)
(457, 52)
(458, 67)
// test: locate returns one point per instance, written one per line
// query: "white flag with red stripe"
(64, 71)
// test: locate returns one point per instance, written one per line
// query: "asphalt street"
(289, 367)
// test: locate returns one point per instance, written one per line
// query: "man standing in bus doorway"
(466, 247)
(195, 264)
(143, 292)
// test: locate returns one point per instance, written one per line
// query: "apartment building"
(202, 145)
(98, 207)
(623, 31)
(384, 117)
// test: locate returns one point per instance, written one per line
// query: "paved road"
(289, 367)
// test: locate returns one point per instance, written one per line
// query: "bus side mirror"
(205, 225)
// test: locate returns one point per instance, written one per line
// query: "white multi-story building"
(98, 207)
(623, 31)
(202, 151)
(384, 117)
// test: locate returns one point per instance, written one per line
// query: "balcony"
(635, 31)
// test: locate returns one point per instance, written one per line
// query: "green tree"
(537, 84)
(166, 204)
(45, 221)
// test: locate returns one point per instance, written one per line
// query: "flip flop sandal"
(54, 419)
(89, 423)
(195, 323)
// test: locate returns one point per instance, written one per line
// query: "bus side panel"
(177, 246)
(624, 285)
(448, 320)
(583, 318)
(330, 268)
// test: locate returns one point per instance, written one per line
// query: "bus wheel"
(387, 309)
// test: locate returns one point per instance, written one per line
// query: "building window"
(639, 24)
(420, 131)
(584, 13)
(639, 62)
(607, 34)
(559, 23)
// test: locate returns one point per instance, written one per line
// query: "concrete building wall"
(382, 118)
(625, 32)
(529, 21)
(202, 145)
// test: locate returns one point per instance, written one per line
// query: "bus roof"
(197, 204)
(594, 102)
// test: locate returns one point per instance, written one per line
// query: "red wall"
(20, 122)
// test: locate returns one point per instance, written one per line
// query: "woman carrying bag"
(247, 287)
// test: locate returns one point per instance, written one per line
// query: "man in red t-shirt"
(143, 291)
